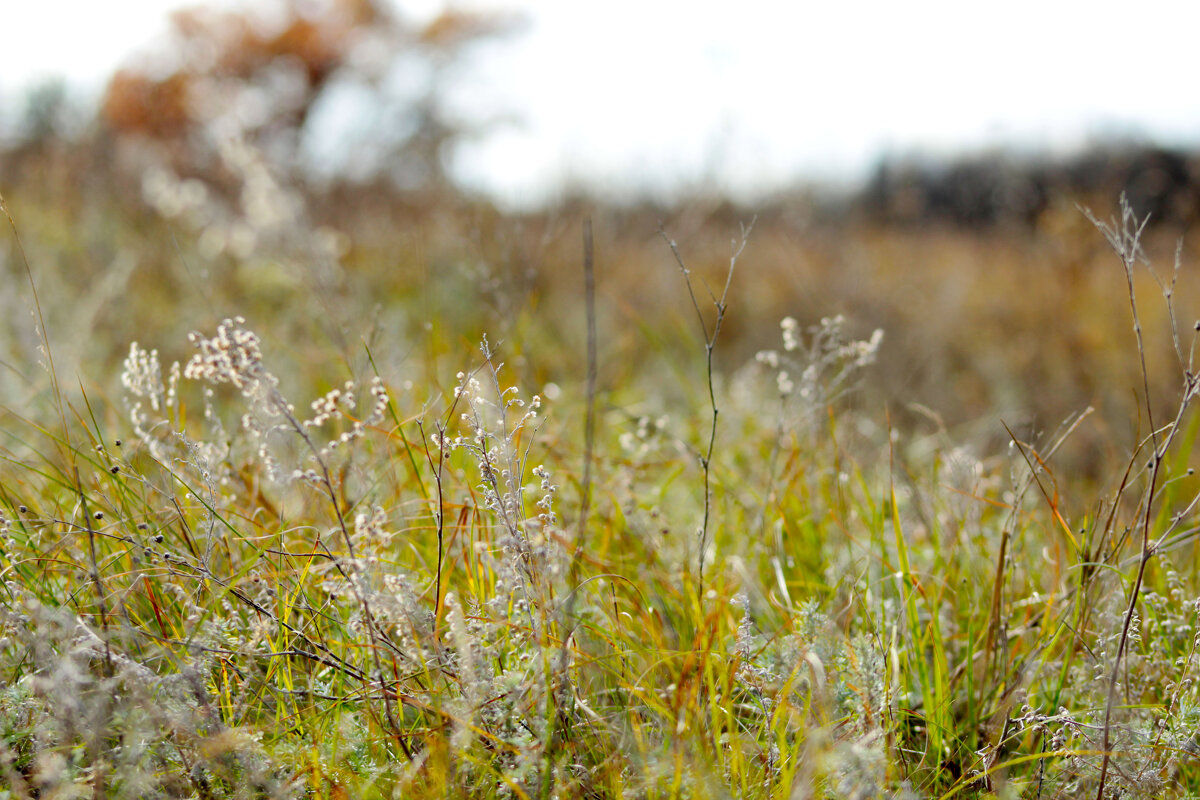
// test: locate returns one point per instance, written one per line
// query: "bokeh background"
(418, 174)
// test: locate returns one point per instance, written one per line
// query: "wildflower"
(232, 356)
(142, 375)
(791, 333)
(768, 357)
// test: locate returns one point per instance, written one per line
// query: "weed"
(397, 593)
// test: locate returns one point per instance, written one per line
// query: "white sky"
(750, 93)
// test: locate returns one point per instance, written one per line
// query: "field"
(347, 497)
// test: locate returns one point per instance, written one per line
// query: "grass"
(362, 546)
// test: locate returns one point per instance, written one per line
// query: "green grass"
(212, 588)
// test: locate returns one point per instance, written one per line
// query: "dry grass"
(336, 552)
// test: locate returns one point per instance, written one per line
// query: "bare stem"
(710, 342)
(1124, 235)
(589, 425)
(439, 511)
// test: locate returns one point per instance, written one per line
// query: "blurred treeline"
(195, 192)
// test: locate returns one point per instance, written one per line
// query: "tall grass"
(397, 591)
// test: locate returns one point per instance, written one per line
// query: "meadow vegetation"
(303, 498)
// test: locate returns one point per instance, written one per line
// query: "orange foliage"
(241, 74)
(159, 109)
(236, 47)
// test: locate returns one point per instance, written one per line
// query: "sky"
(752, 95)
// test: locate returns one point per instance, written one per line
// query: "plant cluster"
(403, 592)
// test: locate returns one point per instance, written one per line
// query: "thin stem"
(1124, 236)
(589, 425)
(42, 332)
(710, 341)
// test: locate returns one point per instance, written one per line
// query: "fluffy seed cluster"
(820, 371)
(233, 356)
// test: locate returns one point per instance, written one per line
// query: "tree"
(266, 78)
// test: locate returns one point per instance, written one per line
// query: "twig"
(439, 512)
(589, 425)
(1124, 235)
(710, 341)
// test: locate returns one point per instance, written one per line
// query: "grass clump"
(463, 573)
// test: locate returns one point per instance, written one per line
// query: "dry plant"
(209, 593)
(710, 342)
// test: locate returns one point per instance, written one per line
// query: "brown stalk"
(1124, 235)
(710, 342)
